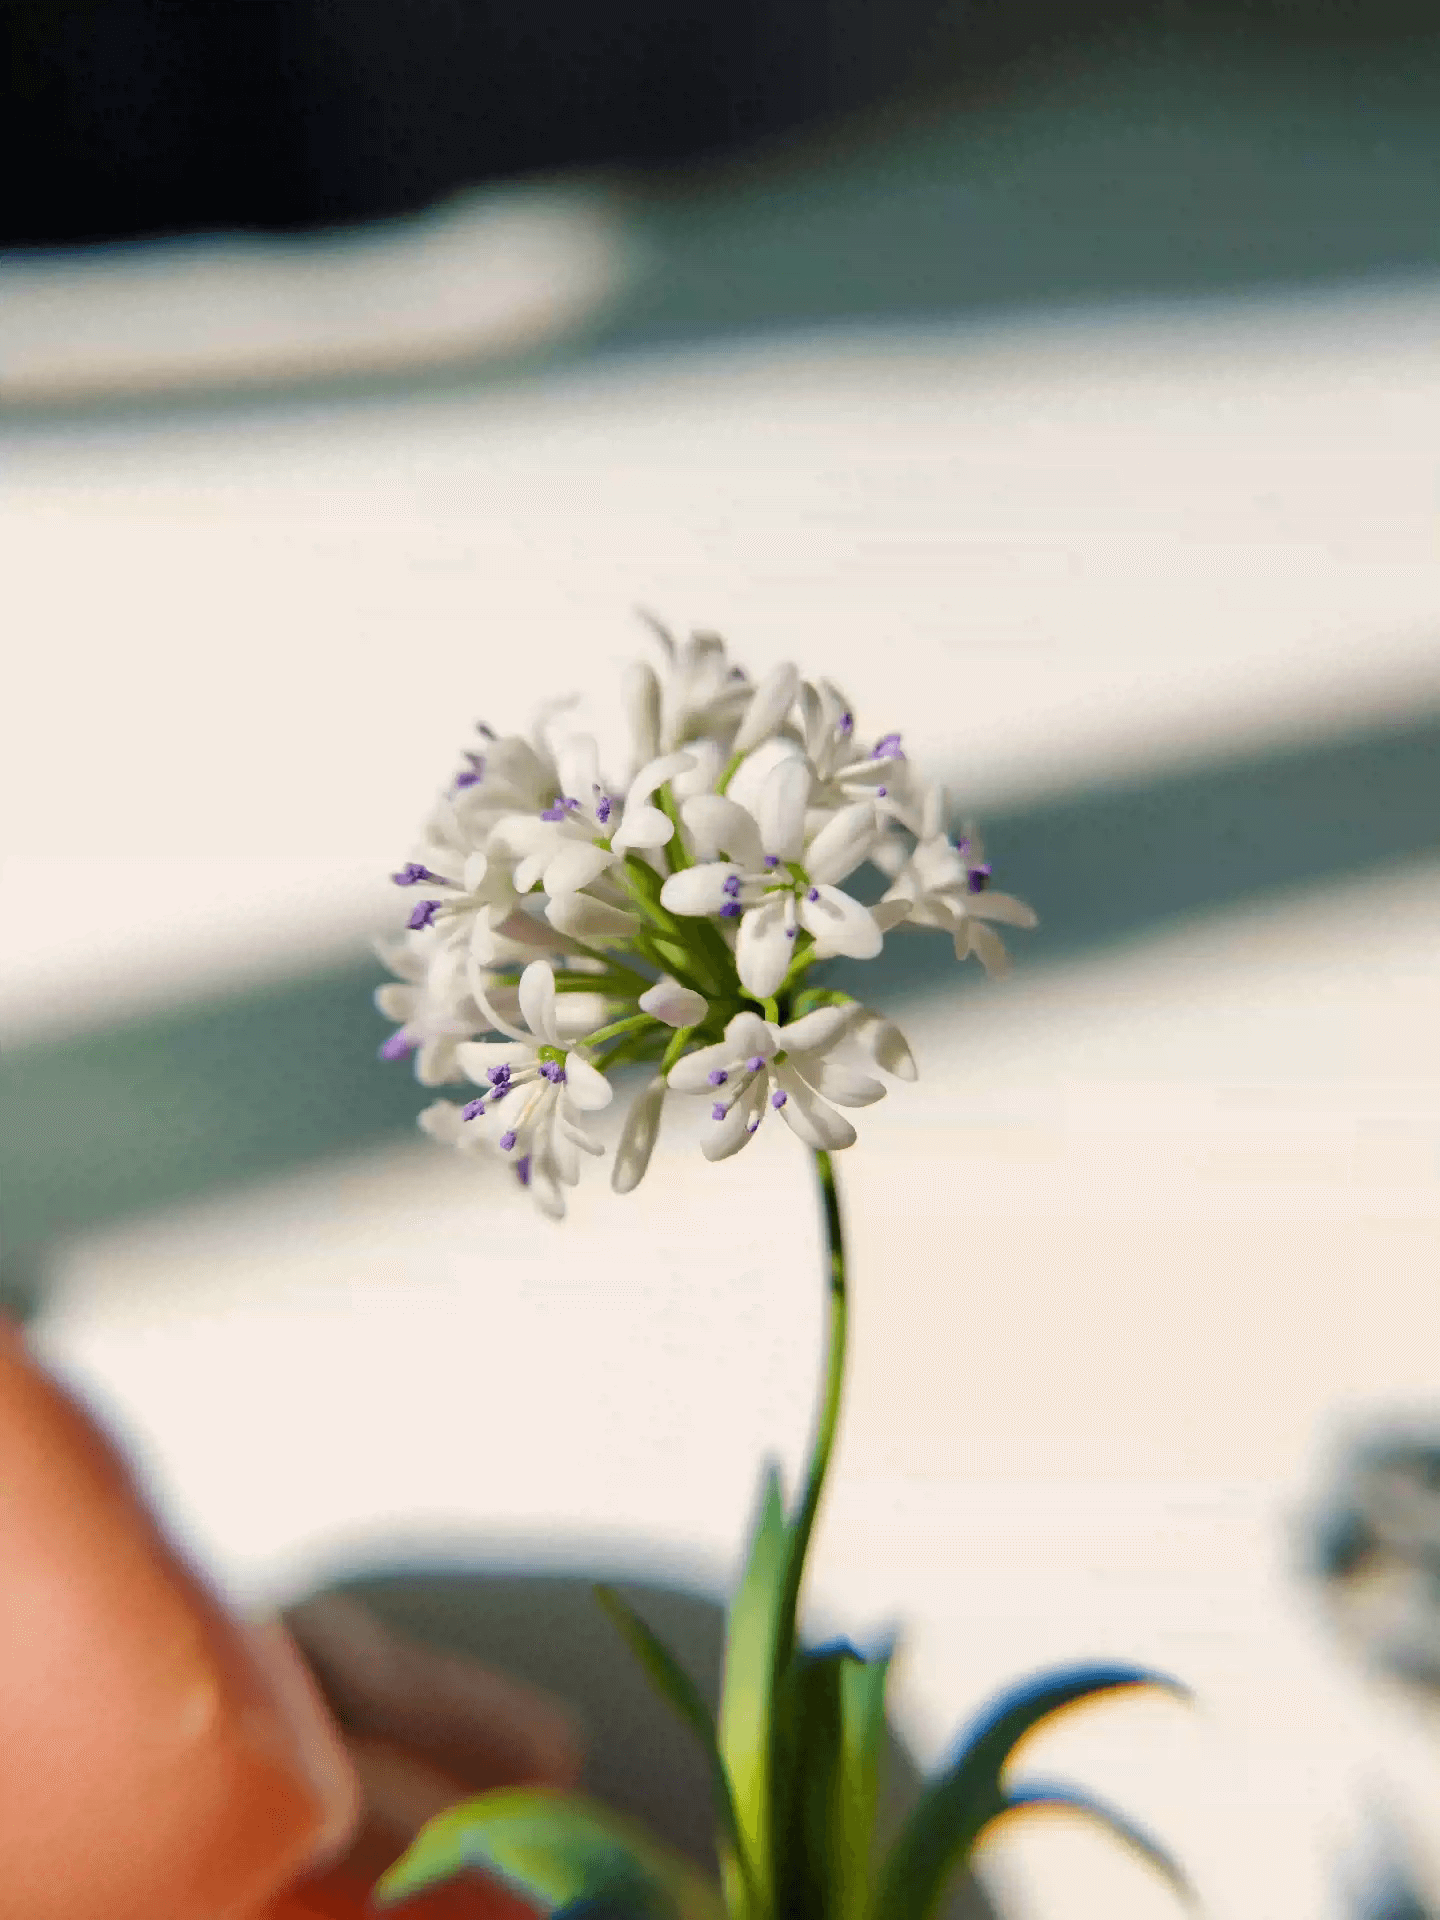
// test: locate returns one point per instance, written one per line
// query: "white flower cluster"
(676, 921)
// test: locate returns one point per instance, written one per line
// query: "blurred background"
(1064, 379)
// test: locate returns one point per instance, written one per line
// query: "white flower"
(637, 1141)
(845, 770)
(433, 1006)
(698, 694)
(946, 884)
(536, 1090)
(771, 882)
(759, 1067)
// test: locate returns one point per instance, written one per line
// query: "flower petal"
(842, 843)
(1003, 907)
(720, 825)
(441, 1120)
(814, 1032)
(642, 708)
(537, 1000)
(780, 811)
(813, 1119)
(677, 1006)
(637, 1141)
(988, 949)
(582, 917)
(576, 864)
(889, 912)
(586, 1085)
(577, 1014)
(748, 1035)
(885, 1044)
(397, 1002)
(840, 925)
(769, 704)
(727, 1136)
(843, 1084)
(691, 1072)
(762, 950)
(707, 758)
(701, 889)
(643, 826)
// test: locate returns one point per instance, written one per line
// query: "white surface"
(1141, 1236)
(489, 273)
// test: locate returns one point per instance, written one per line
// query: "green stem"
(629, 1024)
(732, 767)
(828, 1420)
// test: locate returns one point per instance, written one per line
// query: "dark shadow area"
(209, 1096)
(548, 1630)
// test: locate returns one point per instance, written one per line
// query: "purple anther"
(570, 806)
(472, 1109)
(397, 1046)
(732, 886)
(790, 932)
(880, 792)
(552, 1071)
(498, 1076)
(718, 1077)
(497, 1094)
(847, 724)
(887, 747)
(778, 1098)
(979, 877)
(467, 779)
(557, 812)
(522, 1169)
(772, 860)
(486, 733)
(731, 910)
(962, 845)
(604, 807)
(719, 1110)
(753, 1126)
(813, 894)
(423, 916)
(507, 1141)
(756, 1063)
(412, 873)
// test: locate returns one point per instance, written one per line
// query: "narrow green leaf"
(559, 1851)
(862, 1751)
(679, 1691)
(747, 1698)
(1042, 1795)
(961, 1801)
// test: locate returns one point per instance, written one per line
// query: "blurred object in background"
(137, 117)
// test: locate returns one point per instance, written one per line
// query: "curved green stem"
(828, 1419)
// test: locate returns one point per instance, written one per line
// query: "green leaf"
(679, 1691)
(959, 1804)
(559, 1851)
(862, 1752)
(745, 1732)
(1042, 1795)
(830, 1736)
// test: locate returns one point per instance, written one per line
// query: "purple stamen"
(790, 932)
(887, 747)
(756, 1063)
(557, 812)
(813, 894)
(423, 916)
(487, 733)
(412, 873)
(731, 910)
(719, 1110)
(732, 886)
(778, 1098)
(497, 1094)
(604, 807)
(754, 1124)
(979, 877)
(772, 860)
(880, 792)
(397, 1046)
(847, 724)
(718, 1077)
(473, 774)
(498, 1076)
(552, 1071)
(962, 845)
(571, 806)
(470, 779)
(522, 1169)
(507, 1141)
(472, 1109)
